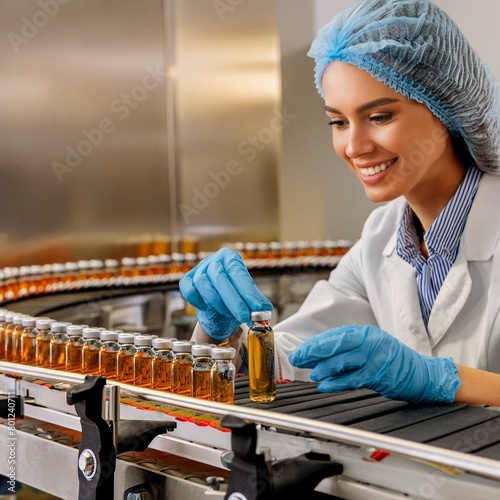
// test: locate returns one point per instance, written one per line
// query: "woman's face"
(395, 146)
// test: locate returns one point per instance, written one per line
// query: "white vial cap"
(181, 346)
(91, 333)
(143, 340)
(162, 343)
(201, 350)
(58, 327)
(108, 335)
(261, 315)
(223, 352)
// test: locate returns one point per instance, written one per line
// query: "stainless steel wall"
(128, 124)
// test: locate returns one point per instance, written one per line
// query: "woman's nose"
(358, 142)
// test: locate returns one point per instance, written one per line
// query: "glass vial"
(108, 354)
(261, 371)
(58, 340)
(42, 341)
(17, 331)
(223, 374)
(143, 360)
(8, 331)
(3, 336)
(74, 346)
(202, 364)
(125, 358)
(182, 365)
(90, 350)
(28, 341)
(162, 364)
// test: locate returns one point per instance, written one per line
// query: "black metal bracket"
(97, 454)
(11, 406)
(257, 479)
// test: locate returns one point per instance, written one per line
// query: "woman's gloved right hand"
(223, 293)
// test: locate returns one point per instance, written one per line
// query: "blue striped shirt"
(442, 240)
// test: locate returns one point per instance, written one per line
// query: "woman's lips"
(376, 169)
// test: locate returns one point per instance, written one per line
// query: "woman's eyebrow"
(366, 106)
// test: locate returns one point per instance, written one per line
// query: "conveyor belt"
(469, 429)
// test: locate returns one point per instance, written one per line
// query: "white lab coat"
(373, 285)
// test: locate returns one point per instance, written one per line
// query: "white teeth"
(375, 170)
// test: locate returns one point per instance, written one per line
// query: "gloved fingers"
(222, 297)
(338, 384)
(347, 362)
(237, 289)
(243, 282)
(189, 292)
(325, 345)
(208, 285)
(215, 325)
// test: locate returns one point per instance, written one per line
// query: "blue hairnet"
(415, 48)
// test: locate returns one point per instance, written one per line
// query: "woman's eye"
(381, 118)
(336, 122)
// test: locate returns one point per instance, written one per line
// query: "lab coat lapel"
(450, 300)
(400, 278)
(478, 242)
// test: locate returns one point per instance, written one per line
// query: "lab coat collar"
(482, 229)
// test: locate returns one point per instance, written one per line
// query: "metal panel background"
(82, 127)
(116, 113)
(229, 119)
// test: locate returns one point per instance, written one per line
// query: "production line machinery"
(79, 437)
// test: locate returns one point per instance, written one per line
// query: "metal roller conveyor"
(354, 444)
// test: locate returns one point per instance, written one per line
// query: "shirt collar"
(443, 237)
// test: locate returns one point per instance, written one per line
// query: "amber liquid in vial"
(201, 384)
(261, 363)
(90, 360)
(57, 355)
(200, 375)
(223, 373)
(8, 339)
(108, 353)
(162, 374)
(181, 375)
(16, 343)
(222, 387)
(74, 356)
(28, 349)
(143, 375)
(108, 363)
(125, 366)
(2, 341)
(42, 355)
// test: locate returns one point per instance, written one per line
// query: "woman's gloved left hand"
(364, 356)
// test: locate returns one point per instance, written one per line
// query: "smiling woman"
(378, 131)
(412, 310)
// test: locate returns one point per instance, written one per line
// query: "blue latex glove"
(223, 293)
(357, 356)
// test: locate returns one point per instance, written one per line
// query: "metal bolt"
(215, 482)
(87, 463)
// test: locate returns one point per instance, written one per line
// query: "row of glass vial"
(164, 364)
(26, 281)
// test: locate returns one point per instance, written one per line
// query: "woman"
(412, 310)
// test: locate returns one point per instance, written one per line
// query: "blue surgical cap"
(415, 48)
